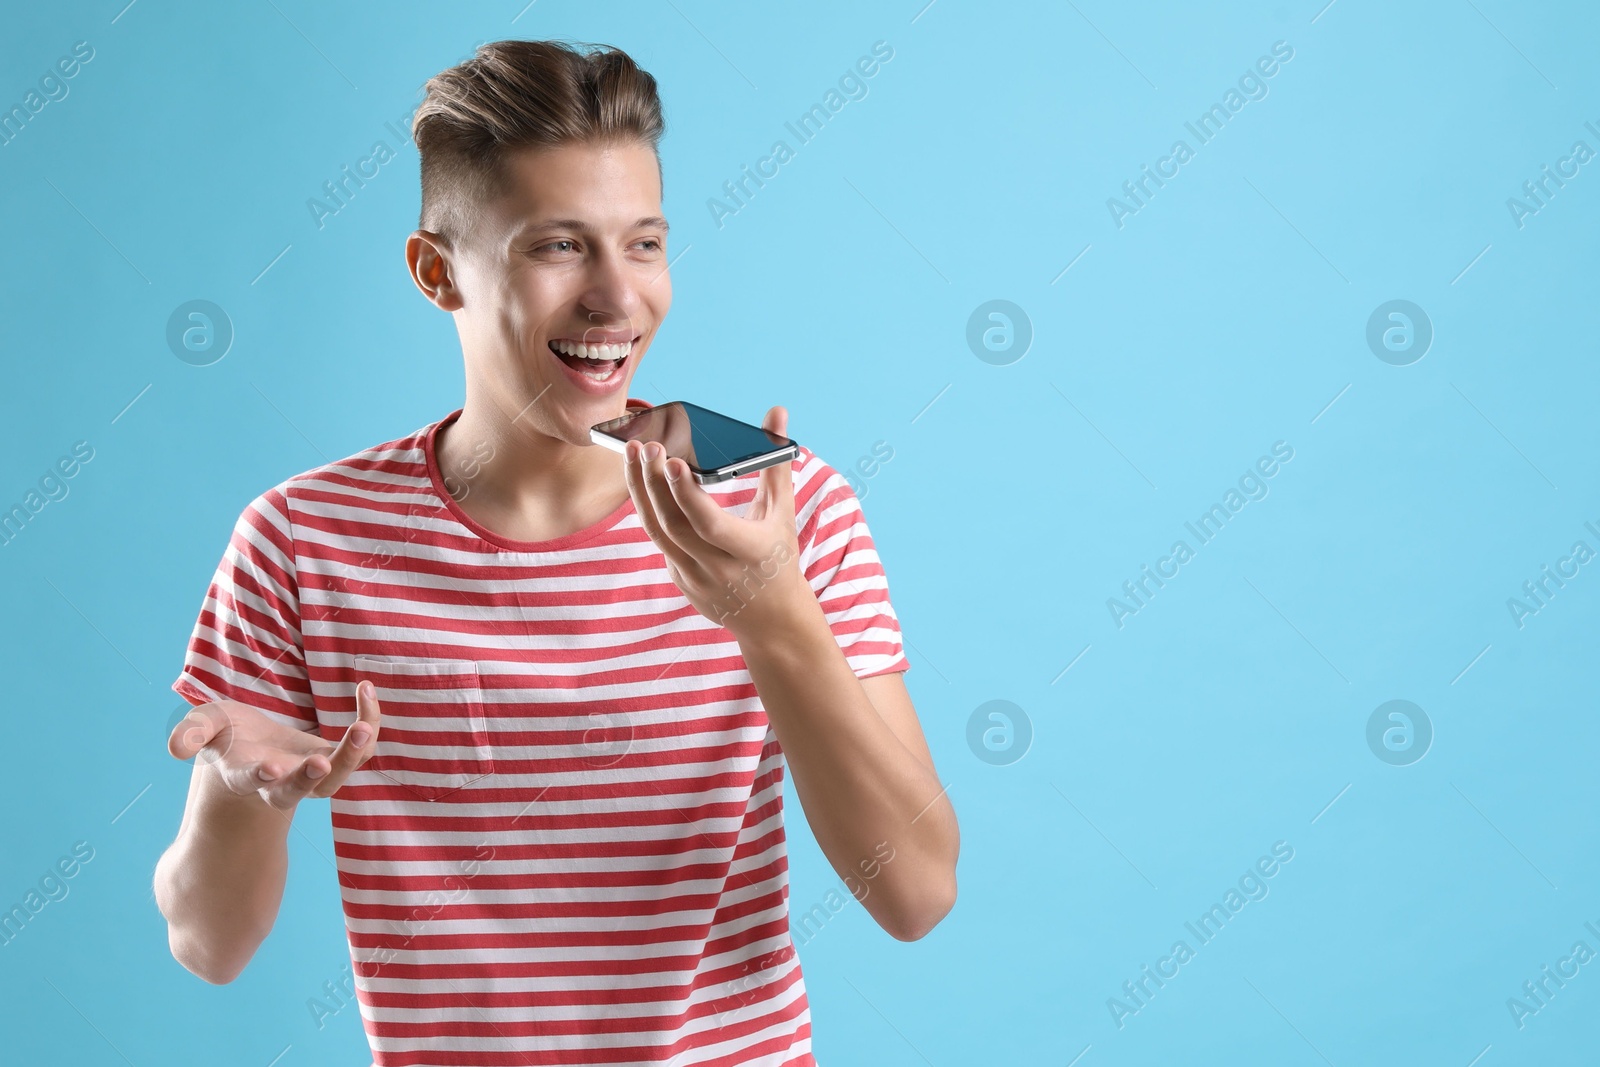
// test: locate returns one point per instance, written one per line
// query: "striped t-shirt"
(569, 846)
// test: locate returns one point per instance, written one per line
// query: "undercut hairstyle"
(522, 94)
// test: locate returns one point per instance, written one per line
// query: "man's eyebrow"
(648, 221)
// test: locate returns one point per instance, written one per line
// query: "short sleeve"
(246, 644)
(841, 563)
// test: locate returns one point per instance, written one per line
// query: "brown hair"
(522, 94)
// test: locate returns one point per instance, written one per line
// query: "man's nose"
(612, 295)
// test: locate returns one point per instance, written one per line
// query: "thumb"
(196, 730)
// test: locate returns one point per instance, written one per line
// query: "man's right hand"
(253, 753)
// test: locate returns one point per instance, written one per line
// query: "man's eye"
(655, 245)
(553, 244)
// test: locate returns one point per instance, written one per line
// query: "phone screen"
(702, 438)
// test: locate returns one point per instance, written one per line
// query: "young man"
(550, 689)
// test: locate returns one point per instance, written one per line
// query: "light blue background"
(1224, 316)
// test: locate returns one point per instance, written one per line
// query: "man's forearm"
(221, 882)
(859, 785)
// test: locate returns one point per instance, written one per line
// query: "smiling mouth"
(595, 362)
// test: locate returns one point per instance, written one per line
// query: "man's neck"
(522, 484)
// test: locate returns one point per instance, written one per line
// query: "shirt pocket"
(433, 737)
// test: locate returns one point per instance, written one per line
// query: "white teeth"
(606, 352)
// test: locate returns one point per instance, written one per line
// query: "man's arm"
(861, 768)
(221, 882)
(860, 765)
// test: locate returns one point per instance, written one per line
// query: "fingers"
(705, 518)
(285, 768)
(284, 779)
(325, 774)
(281, 779)
(686, 512)
(649, 513)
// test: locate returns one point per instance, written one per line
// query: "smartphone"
(714, 446)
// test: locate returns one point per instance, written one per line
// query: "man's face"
(570, 263)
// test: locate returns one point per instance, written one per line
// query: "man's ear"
(428, 260)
